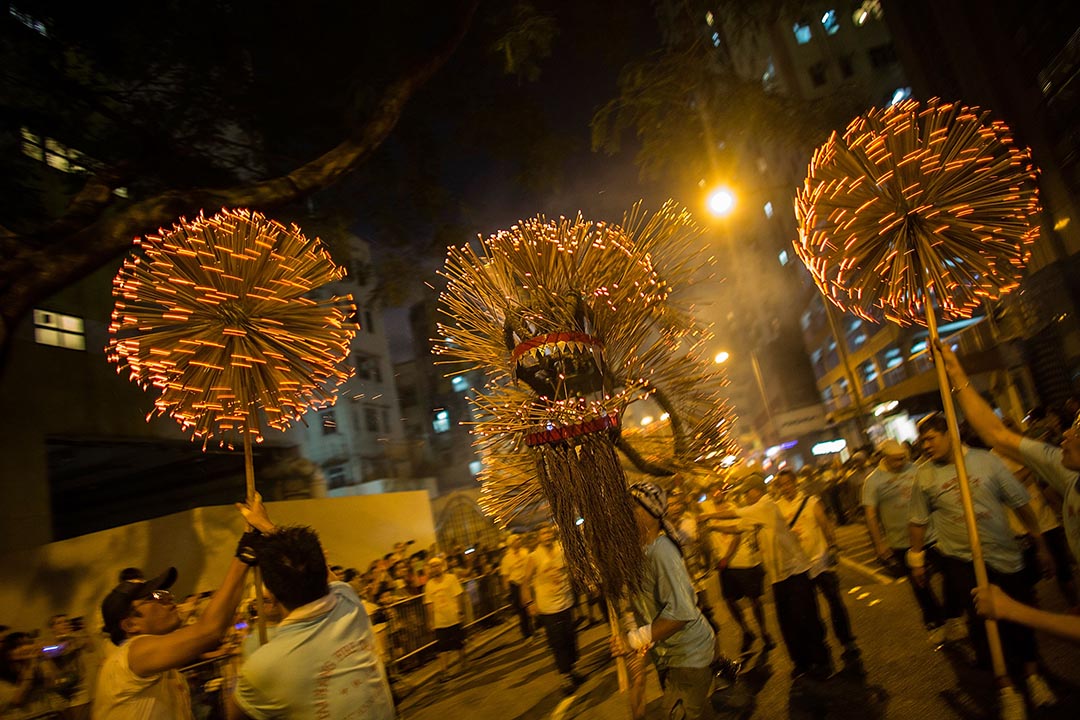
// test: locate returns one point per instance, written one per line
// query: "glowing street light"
(721, 357)
(720, 202)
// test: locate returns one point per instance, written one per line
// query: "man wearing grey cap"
(141, 679)
(886, 497)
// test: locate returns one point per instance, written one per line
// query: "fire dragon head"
(571, 321)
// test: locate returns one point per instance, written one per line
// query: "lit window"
(709, 18)
(829, 22)
(918, 348)
(31, 146)
(459, 383)
(868, 9)
(475, 467)
(329, 422)
(802, 32)
(59, 330)
(805, 320)
(768, 209)
(768, 78)
(900, 95)
(441, 423)
(52, 153)
(869, 372)
(783, 257)
(35, 25)
(716, 39)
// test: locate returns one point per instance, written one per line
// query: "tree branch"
(33, 272)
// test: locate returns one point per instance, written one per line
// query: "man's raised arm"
(978, 412)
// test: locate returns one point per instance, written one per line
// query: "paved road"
(515, 680)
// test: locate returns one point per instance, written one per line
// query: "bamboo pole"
(249, 476)
(993, 638)
(620, 661)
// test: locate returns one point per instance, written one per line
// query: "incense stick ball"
(918, 196)
(218, 314)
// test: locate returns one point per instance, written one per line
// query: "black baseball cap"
(117, 604)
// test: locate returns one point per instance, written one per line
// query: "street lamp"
(720, 202)
(721, 357)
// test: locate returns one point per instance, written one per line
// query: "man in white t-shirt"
(550, 598)
(742, 575)
(444, 602)
(787, 568)
(512, 567)
(805, 515)
(322, 661)
(140, 680)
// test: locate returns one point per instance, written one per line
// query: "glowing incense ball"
(915, 196)
(218, 314)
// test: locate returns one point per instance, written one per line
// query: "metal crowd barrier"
(410, 643)
(208, 682)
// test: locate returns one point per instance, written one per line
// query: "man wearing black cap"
(141, 680)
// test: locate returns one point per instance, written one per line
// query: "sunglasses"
(160, 596)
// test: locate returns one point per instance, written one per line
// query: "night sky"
(594, 42)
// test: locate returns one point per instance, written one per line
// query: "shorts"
(449, 638)
(739, 583)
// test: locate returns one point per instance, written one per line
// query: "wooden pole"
(620, 661)
(249, 476)
(993, 638)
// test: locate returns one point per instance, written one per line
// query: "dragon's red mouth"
(551, 343)
(566, 432)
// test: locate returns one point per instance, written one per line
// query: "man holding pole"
(670, 627)
(935, 499)
(142, 679)
(1056, 466)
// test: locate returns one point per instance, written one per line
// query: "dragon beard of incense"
(604, 552)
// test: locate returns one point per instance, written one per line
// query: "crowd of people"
(151, 637)
(322, 651)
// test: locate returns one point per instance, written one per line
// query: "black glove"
(245, 549)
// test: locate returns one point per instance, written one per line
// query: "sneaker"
(1038, 691)
(955, 629)
(1012, 704)
(748, 639)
